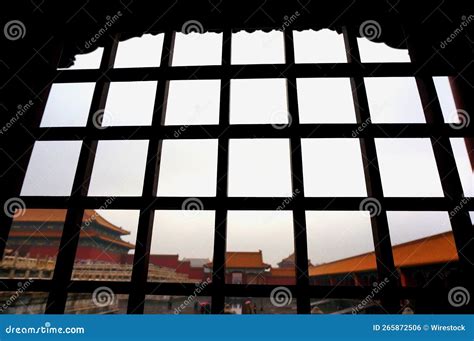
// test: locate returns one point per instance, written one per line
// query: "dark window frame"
(435, 129)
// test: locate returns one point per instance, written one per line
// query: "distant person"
(196, 307)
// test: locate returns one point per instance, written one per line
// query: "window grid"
(136, 301)
(379, 222)
(435, 129)
(299, 215)
(220, 231)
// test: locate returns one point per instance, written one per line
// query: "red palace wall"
(83, 253)
(165, 261)
(263, 279)
(198, 273)
(91, 253)
(281, 280)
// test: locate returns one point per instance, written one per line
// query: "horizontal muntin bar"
(230, 290)
(235, 131)
(254, 71)
(250, 204)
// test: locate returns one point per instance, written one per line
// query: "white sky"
(257, 167)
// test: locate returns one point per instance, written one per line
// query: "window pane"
(182, 245)
(340, 248)
(193, 102)
(119, 167)
(408, 168)
(68, 105)
(258, 101)
(325, 100)
(259, 168)
(464, 166)
(206, 49)
(260, 248)
(394, 100)
(30, 254)
(89, 60)
(33, 244)
(333, 168)
(258, 48)
(144, 51)
(129, 104)
(106, 244)
(52, 168)
(188, 168)
(372, 52)
(323, 46)
(423, 248)
(446, 100)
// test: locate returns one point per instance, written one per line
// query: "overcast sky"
(332, 167)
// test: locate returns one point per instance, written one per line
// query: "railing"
(25, 267)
